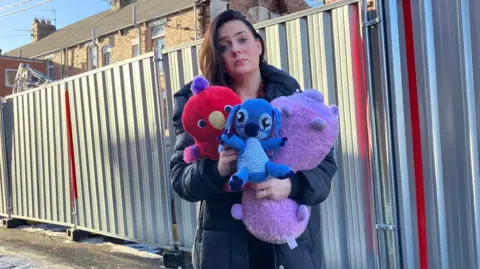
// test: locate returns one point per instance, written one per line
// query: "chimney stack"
(118, 4)
(41, 28)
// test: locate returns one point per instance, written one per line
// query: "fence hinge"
(389, 227)
(372, 22)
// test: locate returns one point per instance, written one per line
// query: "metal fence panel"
(36, 147)
(180, 66)
(119, 150)
(435, 108)
(320, 47)
(4, 181)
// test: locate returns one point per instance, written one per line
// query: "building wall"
(13, 63)
(180, 28)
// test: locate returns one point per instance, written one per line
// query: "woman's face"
(240, 49)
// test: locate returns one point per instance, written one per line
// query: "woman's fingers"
(228, 153)
(263, 193)
(230, 158)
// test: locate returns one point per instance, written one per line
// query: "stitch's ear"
(231, 115)
(278, 120)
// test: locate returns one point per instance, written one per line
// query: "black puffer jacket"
(221, 241)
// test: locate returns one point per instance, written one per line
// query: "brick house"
(111, 36)
(8, 71)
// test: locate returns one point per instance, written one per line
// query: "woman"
(232, 55)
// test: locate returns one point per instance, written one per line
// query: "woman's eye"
(243, 40)
(223, 48)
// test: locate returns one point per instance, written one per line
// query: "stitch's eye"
(202, 124)
(265, 121)
(228, 108)
(242, 116)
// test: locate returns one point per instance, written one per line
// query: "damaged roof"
(105, 22)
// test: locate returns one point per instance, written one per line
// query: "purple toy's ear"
(319, 124)
(199, 84)
(334, 109)
(302, 213)
(314, 94)
(285, 109)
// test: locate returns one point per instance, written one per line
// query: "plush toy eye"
(202, 124)
(228, 108)
(265, 122)
(242, 116)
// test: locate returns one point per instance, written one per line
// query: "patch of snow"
(46, 229)
(140, 250)
(10, 261)
(93, 240)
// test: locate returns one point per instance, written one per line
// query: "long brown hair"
(211, 61)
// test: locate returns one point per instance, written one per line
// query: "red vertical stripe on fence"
(361, 112)
(416, 133)
(73, 174)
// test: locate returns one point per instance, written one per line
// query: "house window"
(92, 58)
(50, 69)
(135, 50)
(107, 55)
(158, 36)
(10, 77)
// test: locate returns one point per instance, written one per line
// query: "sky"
(67, 12)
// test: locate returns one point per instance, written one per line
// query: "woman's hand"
(227, 161)
(274, 189)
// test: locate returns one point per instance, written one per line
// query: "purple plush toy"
(312, 129)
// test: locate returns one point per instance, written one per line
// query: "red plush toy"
(204, 118)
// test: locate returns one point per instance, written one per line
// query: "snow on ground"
(10, 260)
(46, 229)
(140, 250)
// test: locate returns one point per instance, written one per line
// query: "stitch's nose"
(251, 130)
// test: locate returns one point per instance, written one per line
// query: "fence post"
(73, 175)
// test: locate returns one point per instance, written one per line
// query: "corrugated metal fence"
(36, 148)
(426, 79)
(321, 48)
(118, 145)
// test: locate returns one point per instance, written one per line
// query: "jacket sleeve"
(196, 181)
(312, 187)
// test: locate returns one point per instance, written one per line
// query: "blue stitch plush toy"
(252, 137)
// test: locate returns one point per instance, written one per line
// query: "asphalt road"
(56, 252)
